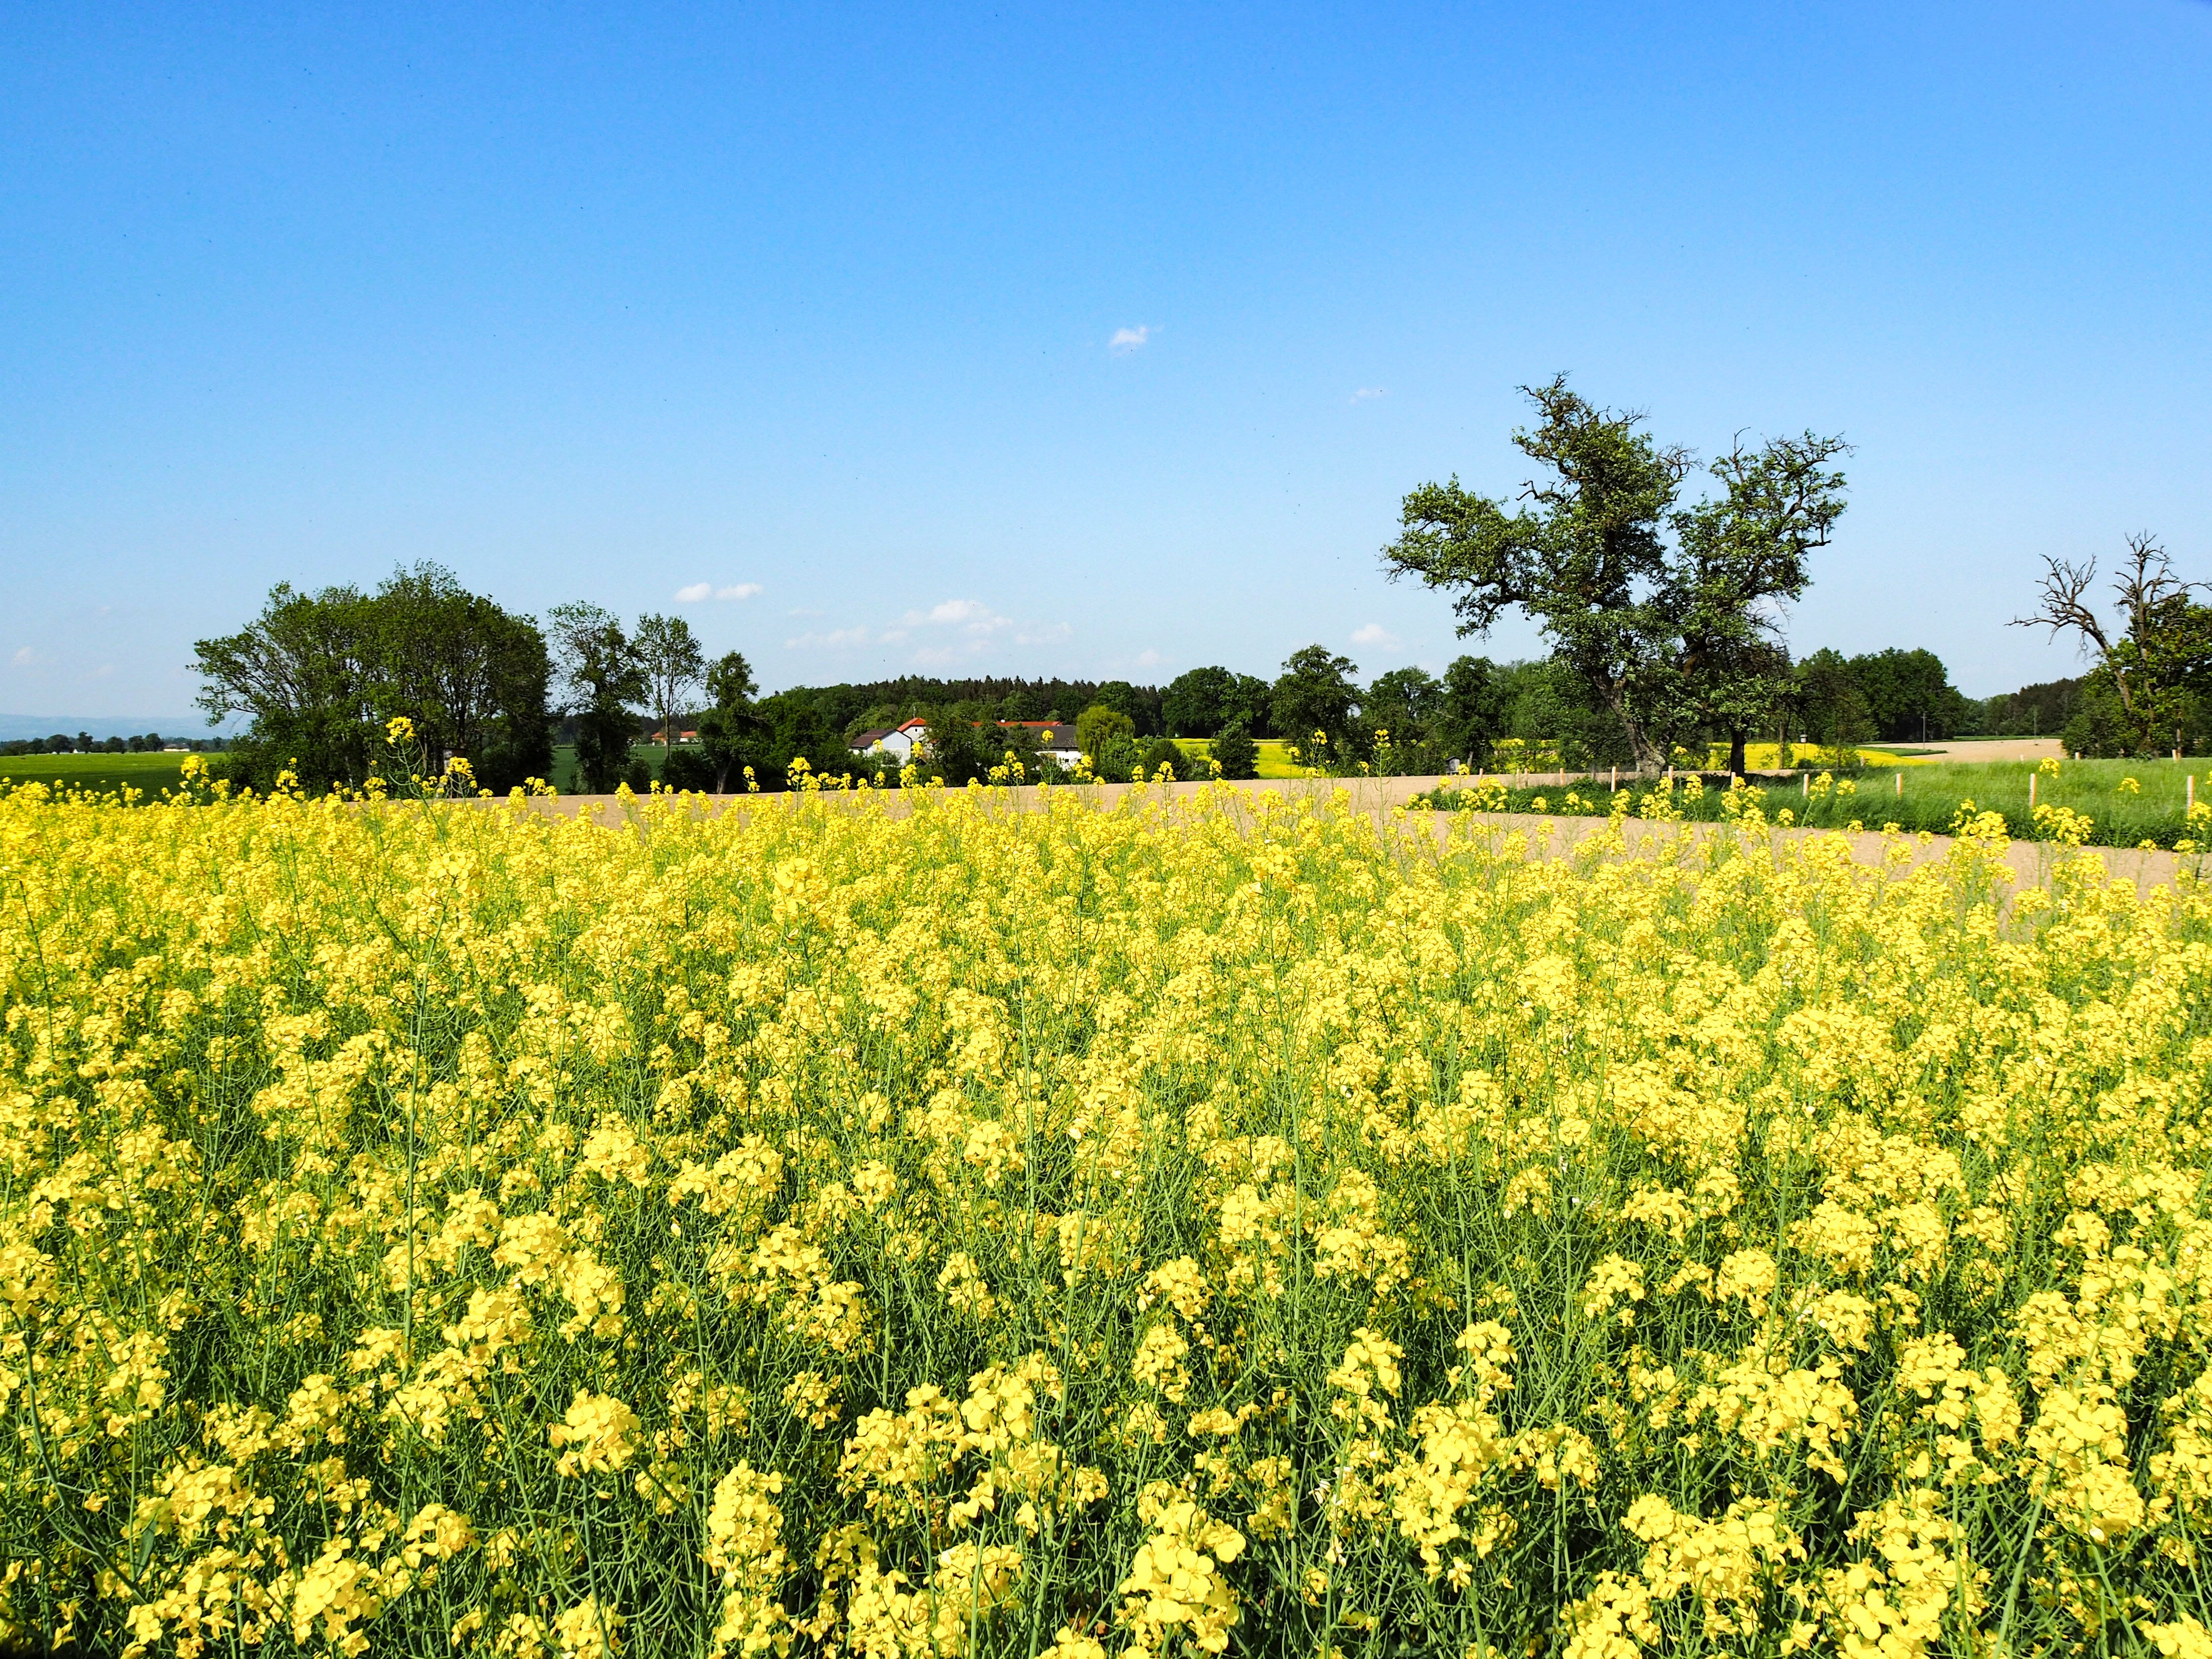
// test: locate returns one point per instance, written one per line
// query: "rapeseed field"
(919, 1228)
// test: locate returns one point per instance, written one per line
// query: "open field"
(1993, 749)
(2155, 809)
(1274, 760)
(1160, 1228)
(151, 773)
(564, 764)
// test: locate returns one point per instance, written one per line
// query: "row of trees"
(85, 744)
(1482, 712)
(321, 674)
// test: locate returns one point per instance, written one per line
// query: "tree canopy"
(601, 677)
(319, 674)
(1195, 704)
(1670, 616)
(669, 658)
(1315, 694)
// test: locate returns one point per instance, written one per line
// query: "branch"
(2061, 605)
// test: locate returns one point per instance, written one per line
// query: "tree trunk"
(1735, 752)
(1649, 757)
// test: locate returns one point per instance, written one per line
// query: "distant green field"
(149, 773)
(564, 764)
(1929, 797)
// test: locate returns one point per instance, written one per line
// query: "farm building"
(900, 742)
(1054, 738)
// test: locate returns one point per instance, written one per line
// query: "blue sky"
(816, 308)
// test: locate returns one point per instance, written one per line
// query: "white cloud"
(737, 591)
(951, 631)
(837, 639)
(698, 591)
(694, 594)
(1148, 658)
(1369, 393)
(1126, 340)
(26, 657)
(973, 615)
(1373, 634)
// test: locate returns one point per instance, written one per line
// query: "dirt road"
(1990, 748)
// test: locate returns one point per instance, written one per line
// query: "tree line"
(1664, 618)
(321, 675)
(85, 744)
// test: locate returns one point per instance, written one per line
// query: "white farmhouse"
(902, 742)
(1054, 738)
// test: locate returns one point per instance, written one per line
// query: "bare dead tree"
(2146, 580)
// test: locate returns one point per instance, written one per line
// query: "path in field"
(1993, 749)
(2030, 861)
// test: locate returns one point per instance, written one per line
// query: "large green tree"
(1404, 702)
(1101, 727)
(1234, 751)
(1830, 707)
(320, 673)
(730, 726)
(668, 657)
(1196, 704)
(303, 672)
(472, 677)
(1739, 558)
(1909, 695)
(1399, 721)
(1471, 710)
(1315, 694)
(600, 680)
(1666, 617)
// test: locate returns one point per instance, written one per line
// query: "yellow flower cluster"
(909, 1227)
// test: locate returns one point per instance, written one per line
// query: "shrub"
(1164, 751)
(1235, 752)
(687, 769)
